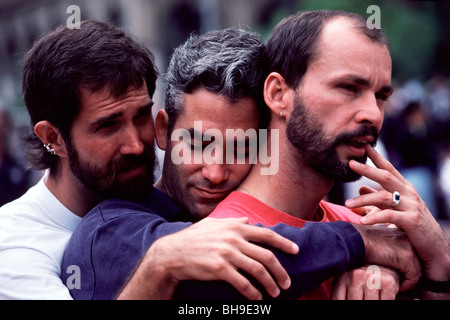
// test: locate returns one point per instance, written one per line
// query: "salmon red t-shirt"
(238, 205)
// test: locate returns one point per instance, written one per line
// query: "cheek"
(187, 172)
(180, 174)
(323, 100)
(239, 172)
(90, 150)
(340, 121)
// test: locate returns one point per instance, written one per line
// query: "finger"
(362, 211)
(371, 294)
(384, 216)
(386, 179)
(263, 273)
(270, 237)
(339, 290)
(365, 190)
(411, 274)
(381, 199)
(408, 284)
(242, 284)
(380, 162)
(388, 294)
(238, 252)
(357, 284)
(270, 263)
(355, 293)
(390, 286)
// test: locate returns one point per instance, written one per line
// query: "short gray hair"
(230, 62)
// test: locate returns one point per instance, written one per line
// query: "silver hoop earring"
(49, 150)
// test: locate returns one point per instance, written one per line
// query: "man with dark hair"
(329, 77)
(88, 93)
(215, 78)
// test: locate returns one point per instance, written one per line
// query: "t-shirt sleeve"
(107, 250)
(326, 249)
(30, 274)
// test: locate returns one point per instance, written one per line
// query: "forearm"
(326, 249)
(159, 284)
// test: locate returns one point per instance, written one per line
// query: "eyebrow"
(364, 82)
(116, 115)
(195, 133)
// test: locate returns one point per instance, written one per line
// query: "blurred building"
(160, 24)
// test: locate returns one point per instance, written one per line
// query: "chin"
(203, 211)
(349, 178)
(199, 215)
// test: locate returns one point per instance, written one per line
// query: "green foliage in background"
(411, 27)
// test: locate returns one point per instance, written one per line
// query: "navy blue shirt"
(112, 238)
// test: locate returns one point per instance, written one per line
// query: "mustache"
(208, 185)
(130, 162)
(363, 130)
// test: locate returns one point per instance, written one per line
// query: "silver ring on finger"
(395, 199)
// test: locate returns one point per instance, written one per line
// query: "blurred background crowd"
(416, 133)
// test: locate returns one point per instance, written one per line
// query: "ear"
(48, 133)
(277, 94)
(161, 127)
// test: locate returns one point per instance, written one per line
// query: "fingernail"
(276, 292)
(349, 203)
(355, 163)
(287, 284)
(363, 220)
(295, 248)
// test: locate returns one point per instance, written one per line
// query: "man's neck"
(71, 193)
(295, 189)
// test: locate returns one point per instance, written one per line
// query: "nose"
(370, 112)
(131, 142)
(215, 173)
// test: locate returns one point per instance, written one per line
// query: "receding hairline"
(353, 24)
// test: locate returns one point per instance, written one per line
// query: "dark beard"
(103, 181)
(306, 134)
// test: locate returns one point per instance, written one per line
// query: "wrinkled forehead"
(343, 48)
(344, 36)
(217, 111)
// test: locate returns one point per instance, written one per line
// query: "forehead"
(216, 111)
(102, 102)
(341, 47)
